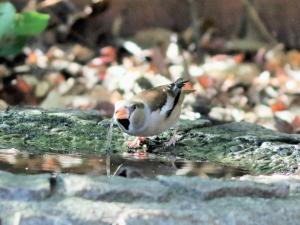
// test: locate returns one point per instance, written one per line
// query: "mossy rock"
(59, 131)
(239, 144)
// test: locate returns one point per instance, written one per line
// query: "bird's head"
(130, 116)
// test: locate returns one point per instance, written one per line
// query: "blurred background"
(241, 56)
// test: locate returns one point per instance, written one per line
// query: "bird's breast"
(156, 123)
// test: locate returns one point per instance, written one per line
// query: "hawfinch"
(151, 112)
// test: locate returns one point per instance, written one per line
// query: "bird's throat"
(125, 123)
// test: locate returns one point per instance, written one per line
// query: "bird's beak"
(187, 88)
(122, 113)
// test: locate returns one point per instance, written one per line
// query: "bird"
(151, 112)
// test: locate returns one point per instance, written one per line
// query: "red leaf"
(22, 86)
(238, 58)
(278, 106)
(206, 81)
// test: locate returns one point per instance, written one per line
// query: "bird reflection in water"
(128, 165)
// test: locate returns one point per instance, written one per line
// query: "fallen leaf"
(296, 124)
(206, 81)
(278, 106)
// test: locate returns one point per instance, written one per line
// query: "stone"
(90, 211)
(43, 220)
(111, 188)
(293, 181)
(211, 189)
(52, 100)
(213, 143)
(188, 201)
(24, 188)
(41, 89)
(143, 217)
(4, 71)
(3, 105)
(259, 151)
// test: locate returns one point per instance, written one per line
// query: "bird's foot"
(171, 142)
(136, 143)
(173, 139)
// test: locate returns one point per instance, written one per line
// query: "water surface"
(127, 165)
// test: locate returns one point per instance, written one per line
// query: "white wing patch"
(169, 104)
(156, 122)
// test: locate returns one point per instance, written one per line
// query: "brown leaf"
(283, 126)
(293, 58)
(296, 124)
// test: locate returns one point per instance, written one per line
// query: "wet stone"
(211, 189)
(43, 220)
(24, 187)
(111, 189)
(293, 181)
(93, 212)
(145, 217)
(238, 144)
(187, 203)
(36, 219)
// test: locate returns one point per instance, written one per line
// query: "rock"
(263, 111)
(4, 71)
(126, 201)
(41, 89)
(292, 181)
(12, 187)
(53, 100)
(3, 105)
(215, 142)
(88, 211)
(211, 189)
(137, 217)
(44, 130)
(238, 144)
(222, 114)
(53, 219)
(108, 189)
(43, 220)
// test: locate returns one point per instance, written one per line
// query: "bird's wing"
(156, 98)
(165, 97)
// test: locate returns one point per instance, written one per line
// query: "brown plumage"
(155, 98)
(152, 111)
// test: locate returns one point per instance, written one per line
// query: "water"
(109, 137)
(108, 147)
(128, 165)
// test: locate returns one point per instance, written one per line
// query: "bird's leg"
(135, 143)
(173, 139)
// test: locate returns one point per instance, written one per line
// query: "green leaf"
(7, 29)
(13, 45)
(30, 23)
(7, 16)
(15, 29)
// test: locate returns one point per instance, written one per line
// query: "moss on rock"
(67, 131)
(244, 145)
